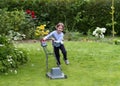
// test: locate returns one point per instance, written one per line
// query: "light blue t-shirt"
(57, 36)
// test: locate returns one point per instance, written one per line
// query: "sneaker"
(67, 62)
(58, 64)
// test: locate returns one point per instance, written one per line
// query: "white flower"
(103, 30)
(10, 62)
(1, 45)
(9, 58)
(94, 32)
(23, 35)
(96, 35)
(101, 36)
(16, 35)
(98, 32)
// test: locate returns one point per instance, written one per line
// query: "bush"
(117, 41)
(17, 21)
(78, 15)
(73, 36)
(10, 56)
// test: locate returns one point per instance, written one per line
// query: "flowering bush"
(40, 31)
(16, 35)
(99, 32)
(19, 21)
(10, 56)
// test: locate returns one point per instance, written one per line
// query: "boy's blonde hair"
(59, 24)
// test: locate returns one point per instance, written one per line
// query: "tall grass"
(91, 64)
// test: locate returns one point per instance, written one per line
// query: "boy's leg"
(64, 52)
(57, 55)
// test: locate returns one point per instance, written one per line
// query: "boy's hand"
(43, 39)
(52, 39)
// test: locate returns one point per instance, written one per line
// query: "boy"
(57, 37)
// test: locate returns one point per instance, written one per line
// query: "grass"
(91, 64)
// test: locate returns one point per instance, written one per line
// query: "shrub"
(18, 21)
(73, 36)
(78, 15)
(117, 41)
(10, 56)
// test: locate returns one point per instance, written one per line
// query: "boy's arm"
(48, 36)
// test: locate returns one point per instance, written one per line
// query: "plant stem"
(113, 10)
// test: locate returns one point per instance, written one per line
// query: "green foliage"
(16, 20)
(73, 36)
(10, 20)
(77, 15)
(15, 35)
(10, 56)
(117, 41)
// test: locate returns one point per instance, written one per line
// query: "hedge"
(78, 15)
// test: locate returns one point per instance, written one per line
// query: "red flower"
(32, 13)
(33, 16)
(28, 11)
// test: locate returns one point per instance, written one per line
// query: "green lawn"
(91, 64)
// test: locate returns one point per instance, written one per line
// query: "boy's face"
(59, 29)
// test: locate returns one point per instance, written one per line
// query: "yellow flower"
(37, 31)
(40, 31)
(37, 34)
(42, 27)
(38, 27)
(47, 31)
